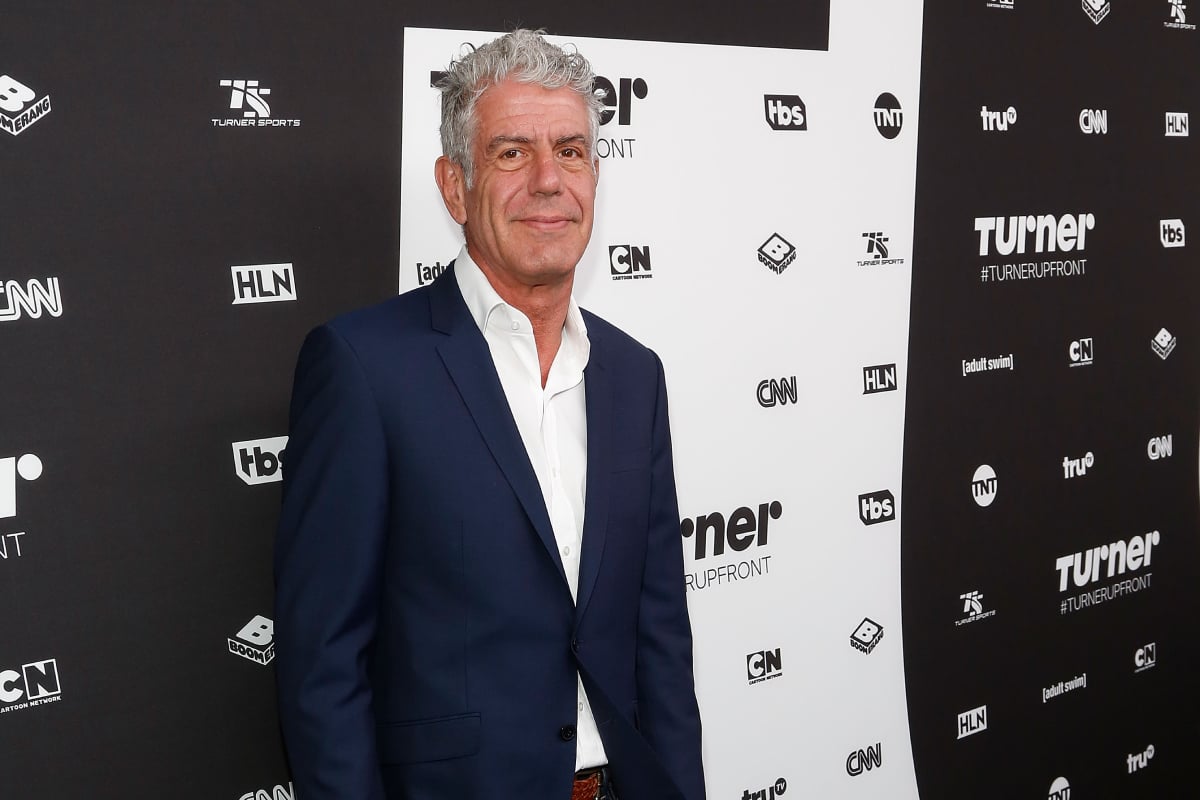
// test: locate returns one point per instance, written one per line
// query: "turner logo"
(20, 106)
(997, 120)
(1177, 123)
(1141, 760)
(1171, 233)
(1093, 120)
(259, 460)
(1178, 17)
(1080, 352)
(864, 760)
(889, 118)
(255, 641)
(770, 793)
(263, 283)
(34, 298)
(972, 722)
(866, 635)
(984, 485)
(278, 793)
(618, 100)
(1163, 343)
(28, 467)
(879, 378)
(777, 392)
(1088, 566)
(1050, 233)
(1059, 790)
(744, 529)
(973, 608)
(1075, 467)
(764, 666)
(1159, 447)
(427, 273)
(32, 684)
(777, 252)
(248, 97)
(625, 261)
(876, 507)
(785, 112)
(1145, 657)
(1097, 10)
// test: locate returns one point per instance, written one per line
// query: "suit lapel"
(599, 403)
(465, 353)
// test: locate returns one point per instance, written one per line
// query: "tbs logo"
(785, 112)
(1145, 657)
(1171, 232)
(619, 103)
(34, 684)
(626, 261)
(255, 641)
(876, 507)
(1080, 352)
(259, 460)
(263, 283)
(879, 378)
(764, 665)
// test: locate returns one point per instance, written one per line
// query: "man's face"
(528, 216)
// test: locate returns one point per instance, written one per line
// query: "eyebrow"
(497, 142)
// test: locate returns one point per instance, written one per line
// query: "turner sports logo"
(1033, 233)
(1163, 343)
(33, 299)
(277, 793)
(255, 641)
(20, 106)
(250, 98)
(33, 684)
(877, 250)
(745, 528)
(973, 608)
(259, 460)
(1083, 569)
(1178, 17)
(263, 283)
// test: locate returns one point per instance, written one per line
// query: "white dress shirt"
(552, 422)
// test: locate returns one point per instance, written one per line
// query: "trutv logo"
(32, 684)
(259, 460)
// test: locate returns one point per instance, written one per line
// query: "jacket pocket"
(428, 739)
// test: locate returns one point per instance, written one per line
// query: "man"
(479, 574)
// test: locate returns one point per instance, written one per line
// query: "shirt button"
(567, 733)
(581, 708)
(516, 326)
(566, 551)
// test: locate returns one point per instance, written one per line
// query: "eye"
(511, 153)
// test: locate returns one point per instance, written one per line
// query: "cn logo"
(876, 507)
(1080, 352)
(28, 467)
(777, 392)
(1159, 447)
(1145, 657)
(764, 665)
(248, 93)
(785, 112)
(259, 460)
(33, 682)
(864, 760)
(19, 105)
(255, 641)
(1093, 120)
(626, 261)
(619, 103)
(984, 485)
(1171, 232)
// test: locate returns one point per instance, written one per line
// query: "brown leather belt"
(587, 784)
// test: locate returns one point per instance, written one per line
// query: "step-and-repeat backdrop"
(934, 398)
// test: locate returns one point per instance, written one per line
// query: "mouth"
(546, 222)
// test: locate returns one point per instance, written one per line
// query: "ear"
(453, 185)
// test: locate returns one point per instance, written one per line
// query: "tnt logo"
(777, 252)
(866, 635)
(744, 529)
(1145, 657)
(879, 378)
(864, 760)
(1177, 123)
(876, 244)
(1171, 232)
(33, 298)
(619, 102)
(278, 793)
(997, 120)
(1141, 760)
(259, 460)
(773, 392)
(763, 666)
(255, 641)
(626, 262)
(248, 93)
(1097, 10)
(263, 283)
(33, 684)
(1076, 467)
(888, 116)
(984, 485)
(785, 112)
(1059, 790)
(427, 273)
(1159, 447)
(1163, 343)
(972, 722)
(1093, 120)
(770, 793)
(1080, 352)
(20, 106)
(28, 467)
(876, 507)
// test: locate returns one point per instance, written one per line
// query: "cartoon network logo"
(32, 684)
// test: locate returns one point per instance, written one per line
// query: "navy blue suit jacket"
(427, 644)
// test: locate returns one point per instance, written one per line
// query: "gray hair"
(524, 56)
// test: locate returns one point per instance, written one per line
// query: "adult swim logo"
(12, 471)
(1036, 233)
(1163, 343)
(770, 793)
(250, 98)
(744, 529)
(1177, 123)
(1172, 233)
(1178, 17)
(785, 112)
(879, 378)
(984, 485)
(263, 283)
(860, 761)
(255, 641)
(627, 261)
(259, 460)
(20, 106)
(1063, 687)
(877, 251)
(1097, 10)
(1087, 567)
(1093, 121)
(428, 273)
(1080, 352)
(32, 300)
(1136, 761)
(1077, 467)
(777, 253)
(33, 684)
(973, 608)
(278, 793)
(1060, 789)
(972, 722)
(866, 635)
(889, 118)
(997, 120)
(971, 366)
(764, 665)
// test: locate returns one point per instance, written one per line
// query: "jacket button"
(575, 646)
(566, 733)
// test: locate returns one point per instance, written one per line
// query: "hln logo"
(1177, 123)
(972, 722)
(278, 793)
(764, 665)
(864, 760)
(34, 298)
(777, 392)
(876, 507)
(879, 378)
(263, 283)
(259, 460)
(35, 681)
(743, 529)
(255, 641)
(1080, 352)
(785, 112)
(28, 467)
(1159, 447)
(625, 261)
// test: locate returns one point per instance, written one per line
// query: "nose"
(546, 177)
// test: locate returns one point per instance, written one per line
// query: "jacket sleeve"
(668, 716)
(328, 557)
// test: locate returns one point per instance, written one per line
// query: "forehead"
(510, 108)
